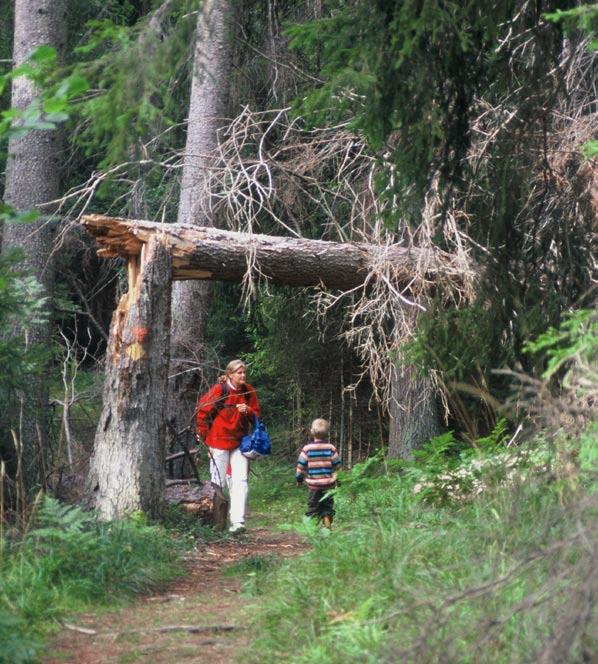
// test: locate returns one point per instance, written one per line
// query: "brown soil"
(198, 618)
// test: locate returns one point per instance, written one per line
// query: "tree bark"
(216, 255)
(127, 467)
(33, 178)
(413, 409)
(207, 109)
(413, 413)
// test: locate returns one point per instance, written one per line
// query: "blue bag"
(257, 443)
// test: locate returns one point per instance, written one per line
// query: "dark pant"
(319, 506)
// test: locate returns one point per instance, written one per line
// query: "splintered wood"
(115, 239)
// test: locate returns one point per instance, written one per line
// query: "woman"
(230, 406)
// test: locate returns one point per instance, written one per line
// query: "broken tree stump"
(126, 471)
(206, 500)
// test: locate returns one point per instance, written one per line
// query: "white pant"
(219, 460)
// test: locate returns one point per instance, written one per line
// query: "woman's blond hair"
(231, 367)
(320, 428)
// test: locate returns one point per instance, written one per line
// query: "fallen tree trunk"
(214, 254)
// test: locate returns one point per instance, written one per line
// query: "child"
(317, 463)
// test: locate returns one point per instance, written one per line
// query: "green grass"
(273, 496)
(500, 579)
(67, 562)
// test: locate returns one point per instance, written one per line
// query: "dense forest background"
(456, 128)
(464, 129)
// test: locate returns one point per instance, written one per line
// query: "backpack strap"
(219, 403)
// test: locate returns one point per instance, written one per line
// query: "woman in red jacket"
(231, 405)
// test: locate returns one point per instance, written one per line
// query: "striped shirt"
(318, 463)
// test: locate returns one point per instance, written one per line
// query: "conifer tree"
(32, 180)
(207, 110)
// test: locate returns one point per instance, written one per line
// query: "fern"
(436, 454)
(16, 645)
(577, 336)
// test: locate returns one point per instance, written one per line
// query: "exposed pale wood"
(132, 275)
(81, 630)
(214, 254)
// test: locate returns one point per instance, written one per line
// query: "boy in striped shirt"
(317, 464)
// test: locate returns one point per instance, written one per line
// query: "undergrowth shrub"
(502, 576)
(68, 560)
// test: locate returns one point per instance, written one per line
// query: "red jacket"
(229, 425)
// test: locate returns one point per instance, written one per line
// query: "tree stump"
(126, 471)
(206, 500)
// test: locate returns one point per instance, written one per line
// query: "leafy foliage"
(448, 94)
(18, 647)
(405, 74)
(49, 108)
(576, 338)
(584, 17)
(22, 304)
(125, 110)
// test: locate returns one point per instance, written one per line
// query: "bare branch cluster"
(541, 131)
(271, 172)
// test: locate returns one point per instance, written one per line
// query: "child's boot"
(327, 521)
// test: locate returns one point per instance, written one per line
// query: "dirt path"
(198, 618)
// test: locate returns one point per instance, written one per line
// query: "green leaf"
(26, 217)
(76, 85)
(57, 117)
(590, 149)
(24, 69)
(54, 105)
(43, 54)
(41, 124)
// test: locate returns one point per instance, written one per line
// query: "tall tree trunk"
(207, 108)
(32, 178)
(413, 410)
(127, 468)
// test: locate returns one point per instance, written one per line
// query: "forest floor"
(197, 618)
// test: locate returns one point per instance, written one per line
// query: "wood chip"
(82, 630)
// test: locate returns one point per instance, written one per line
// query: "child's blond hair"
(320, 428)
